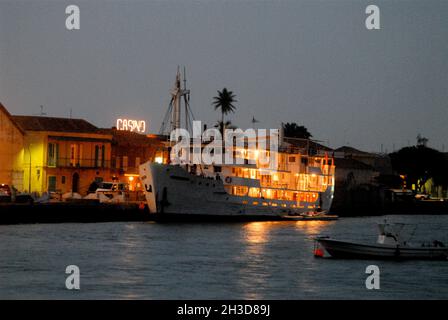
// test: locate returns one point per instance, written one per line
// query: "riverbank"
(370, 208)
(58, 212)
(93, 211)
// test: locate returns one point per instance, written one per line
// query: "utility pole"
(29, 177)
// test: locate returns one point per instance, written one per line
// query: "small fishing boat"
(310, 216)
(390, 245)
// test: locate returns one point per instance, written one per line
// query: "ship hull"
(173, 193)
(349, 250)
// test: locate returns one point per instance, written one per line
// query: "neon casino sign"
(131, 125)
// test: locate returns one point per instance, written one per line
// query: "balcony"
(78, 163)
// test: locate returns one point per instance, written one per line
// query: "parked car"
(422, 196)
(24, 198)
(5, 193)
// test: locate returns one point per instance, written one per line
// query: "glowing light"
(131, 179)
(131, 125)
(158, 160)
(255, 233)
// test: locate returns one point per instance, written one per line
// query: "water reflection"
(255, 237)
(256, 232)
(313, 228)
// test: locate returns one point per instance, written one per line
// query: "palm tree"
(224, 101)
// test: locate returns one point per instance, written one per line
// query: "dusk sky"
(311, 62)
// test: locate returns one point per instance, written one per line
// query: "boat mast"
(177, 94)
(173, 116)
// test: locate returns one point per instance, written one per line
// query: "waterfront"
(255, 260)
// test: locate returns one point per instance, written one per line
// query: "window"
(53, 150)
(292, 159)
(253, 173)
(254, 192)
(97, 156)
(63, 180)
(100, 152)
(74, 155)
(239, 190)
(79, 159)
(125, 163)
(103, 155)
(51, 183)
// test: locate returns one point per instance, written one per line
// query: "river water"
(255, 260)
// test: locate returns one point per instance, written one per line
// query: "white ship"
(301, 186)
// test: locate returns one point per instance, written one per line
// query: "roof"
(8, 115)
(347, 163)
(128, 138)
(351, 150)
(304, 143)
(37, 123)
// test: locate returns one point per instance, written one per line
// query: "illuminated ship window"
(254, 192)
(240, 190)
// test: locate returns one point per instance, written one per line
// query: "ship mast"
(178, 93)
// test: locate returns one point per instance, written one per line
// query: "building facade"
(62, 155)
(129, 150)
(11, 150)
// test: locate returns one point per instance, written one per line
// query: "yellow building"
(11, 150)
(62, 155)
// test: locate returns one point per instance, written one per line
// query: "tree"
(225, 101)
(420, 163)
(293, 130)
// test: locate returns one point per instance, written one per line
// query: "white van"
(116, 192)
(115, 187)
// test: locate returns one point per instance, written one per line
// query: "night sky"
(312, 62)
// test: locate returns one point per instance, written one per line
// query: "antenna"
(41, 113)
